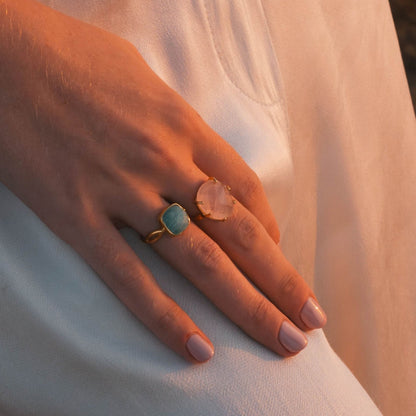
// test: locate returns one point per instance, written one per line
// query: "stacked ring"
(214, 200)
(173, 219)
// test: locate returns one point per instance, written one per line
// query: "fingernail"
(199, 348)
(292, 338)
(312, 314)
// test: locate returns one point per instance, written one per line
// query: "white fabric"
(342, 188)
(69, 347)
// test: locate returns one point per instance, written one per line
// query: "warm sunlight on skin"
(89, 153)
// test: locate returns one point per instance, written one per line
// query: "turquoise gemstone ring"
(173, 219)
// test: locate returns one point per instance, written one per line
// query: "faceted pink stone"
(214, 200)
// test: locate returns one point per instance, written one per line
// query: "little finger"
(204, 263)
(105, 250)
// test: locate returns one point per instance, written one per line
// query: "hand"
(92, 140)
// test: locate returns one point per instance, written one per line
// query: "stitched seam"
(281, 86)
(227, 70)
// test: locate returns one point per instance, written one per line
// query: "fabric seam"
(227, 71)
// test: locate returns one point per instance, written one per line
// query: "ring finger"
(247, 243)
(204, 263)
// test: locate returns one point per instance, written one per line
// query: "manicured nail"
(199, 348)
(292, 338)
(312, 314)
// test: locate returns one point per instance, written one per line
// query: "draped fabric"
(313, 96)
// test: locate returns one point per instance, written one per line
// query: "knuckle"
(274, 231)
(252, 188)
(162, 154)
(152, 149)
(180, 114)
(289, 283)
(248, 231)
(126, 282)
(208, 254)
(168, 160)
(123, 276)
(259, 311)
(166, 321)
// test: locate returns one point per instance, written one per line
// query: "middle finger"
(204, 263)
(248, 244)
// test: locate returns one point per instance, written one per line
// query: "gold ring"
(214, 200)
(173, 219)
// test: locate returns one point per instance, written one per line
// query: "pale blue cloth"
(70, 348)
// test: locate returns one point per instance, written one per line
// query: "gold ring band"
(173, 219)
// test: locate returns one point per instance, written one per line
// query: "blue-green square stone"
(175, 219)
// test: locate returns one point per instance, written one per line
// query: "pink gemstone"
(214, 200)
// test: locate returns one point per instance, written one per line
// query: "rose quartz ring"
(214, 200)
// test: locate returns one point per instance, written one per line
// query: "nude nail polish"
(199, 348)
(292, 338)
(312, 314)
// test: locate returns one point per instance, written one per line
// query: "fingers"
(217, 158)
(205, 264)
(251, 248)
(102, 246)
(244, 239)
